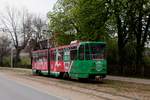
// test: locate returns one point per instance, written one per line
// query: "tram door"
(67, 59)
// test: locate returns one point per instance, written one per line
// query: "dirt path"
(126, 79)
(75, 90)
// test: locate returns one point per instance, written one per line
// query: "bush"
(112, 52)
(7, 61)
(25, 62)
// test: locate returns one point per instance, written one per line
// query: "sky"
(36, 7)
(40, 7)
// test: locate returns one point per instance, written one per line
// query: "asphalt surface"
(10, 90)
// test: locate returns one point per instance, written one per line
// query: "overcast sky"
(34, 6)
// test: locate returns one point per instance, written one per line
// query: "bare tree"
(18, 25)
(40, 32)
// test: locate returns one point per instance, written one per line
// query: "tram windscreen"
(90, 51)
(97, 50)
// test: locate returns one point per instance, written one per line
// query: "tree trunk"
(139, 59)
(17, 56)
(120, 53)
(1, 60)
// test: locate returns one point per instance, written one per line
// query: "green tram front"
(88, 60)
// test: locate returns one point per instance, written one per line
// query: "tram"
(78, 60)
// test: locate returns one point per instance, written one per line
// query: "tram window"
(34, 59)
(81, 52)
(66, 56)
(52, 56)
(87, 52)
(60, 56)
(73, 54)
(40, 54)
(97, 51)
(34, 56)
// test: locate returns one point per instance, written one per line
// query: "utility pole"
(12, 54)
(49, 53)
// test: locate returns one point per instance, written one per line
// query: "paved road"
(10, 90)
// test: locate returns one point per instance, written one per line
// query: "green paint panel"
(54, 74)
(84, 68)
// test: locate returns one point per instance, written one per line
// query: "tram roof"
(65, 46)
(76, 44)
(93, 42)
(70, 45)
(43, 50)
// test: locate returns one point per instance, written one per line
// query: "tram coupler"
(98, 78)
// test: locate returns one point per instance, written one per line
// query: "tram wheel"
(61, 75)
(38, 72)
(66, 76)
